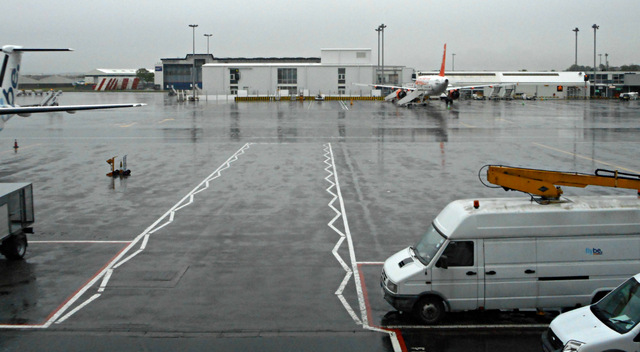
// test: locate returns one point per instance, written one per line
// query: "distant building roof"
(209, 58)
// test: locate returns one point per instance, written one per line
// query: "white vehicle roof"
(520, 217)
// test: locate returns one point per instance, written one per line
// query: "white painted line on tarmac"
(467, 125)
(354, 272)
(128, 125)
(76, 309)
(117, 262)
(105, 280)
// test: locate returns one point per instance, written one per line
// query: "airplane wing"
(25, 110)
(385, 86)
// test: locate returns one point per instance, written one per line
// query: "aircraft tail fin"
(444, 56)
(10, 71)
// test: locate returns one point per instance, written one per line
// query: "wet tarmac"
(263, 226)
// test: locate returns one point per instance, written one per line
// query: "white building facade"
(336, 74)
(540, 84)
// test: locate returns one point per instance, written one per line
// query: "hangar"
(335, 74)
(541, 84)
(112, 79)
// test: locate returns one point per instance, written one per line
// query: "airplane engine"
(401, 94)
(454, 94)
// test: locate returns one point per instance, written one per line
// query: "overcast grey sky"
(484, 35)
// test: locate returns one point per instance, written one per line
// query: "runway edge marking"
(395, 335)
(107, 271)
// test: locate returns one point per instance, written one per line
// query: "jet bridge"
(16, 218)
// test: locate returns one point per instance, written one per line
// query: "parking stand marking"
(107, 271)
(353, 271)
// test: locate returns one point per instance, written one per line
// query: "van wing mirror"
(442, 262)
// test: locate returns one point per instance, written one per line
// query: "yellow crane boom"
(547, 183)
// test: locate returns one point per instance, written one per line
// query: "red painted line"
(364, 293)
(366, 303)
(85, 284)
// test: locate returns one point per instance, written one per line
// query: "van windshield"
(620, 309)
(429, 245)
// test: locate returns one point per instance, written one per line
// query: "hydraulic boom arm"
(546, 183)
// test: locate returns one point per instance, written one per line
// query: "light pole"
(193, 70)
(576, 30)
(208, 36)
(453, 62)
(378, 67)
(595, 28)
(606, 62)
(600, 65)
(382, 27)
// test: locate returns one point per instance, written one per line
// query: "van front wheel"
(429, 309)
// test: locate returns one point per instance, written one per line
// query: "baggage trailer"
(16, 218)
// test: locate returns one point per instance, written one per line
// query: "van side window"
(459, 253)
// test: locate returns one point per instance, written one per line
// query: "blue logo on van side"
(594, 251)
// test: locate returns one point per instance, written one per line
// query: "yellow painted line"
(618, 167)
(467, 125)
(165, 120)
(129, 125)
(20, 148)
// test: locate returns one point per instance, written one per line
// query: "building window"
(342, 75)
(292, 90)
(287, 76)
(342, 90)
(361, 55)
(618, 78)
(234, 75)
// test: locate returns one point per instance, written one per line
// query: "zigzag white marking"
(349, 272)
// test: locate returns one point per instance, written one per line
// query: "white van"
(609, 325)
(513, 253)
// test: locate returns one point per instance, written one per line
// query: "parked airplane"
(426, 86)
(9, 74)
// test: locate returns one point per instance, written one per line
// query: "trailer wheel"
(429, 309)
(15, 247)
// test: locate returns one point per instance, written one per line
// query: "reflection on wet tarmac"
(18, 291)
(264, 221)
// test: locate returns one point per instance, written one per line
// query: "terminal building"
(610, 84)
(333, 73)
(336, 70)
(176, 72)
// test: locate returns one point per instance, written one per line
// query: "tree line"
(623, 68)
